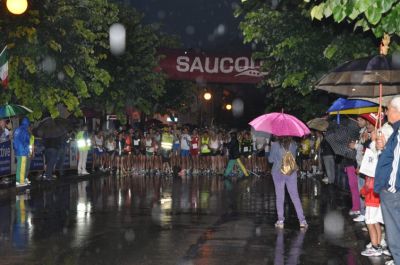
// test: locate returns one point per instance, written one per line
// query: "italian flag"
(4, 67)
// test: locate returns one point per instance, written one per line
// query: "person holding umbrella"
(51, 147)
(277, 154)
(387, 179)
(21, 148)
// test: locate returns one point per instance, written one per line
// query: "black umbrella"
(363, 77)
(51, 128)
(340, 135)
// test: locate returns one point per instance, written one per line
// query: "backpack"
(288, 165)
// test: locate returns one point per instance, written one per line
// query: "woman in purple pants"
(278, 149)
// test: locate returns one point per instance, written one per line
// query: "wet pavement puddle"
(195, 221)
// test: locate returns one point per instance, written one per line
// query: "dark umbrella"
(363, 77)
(51, 128)
(340, 135)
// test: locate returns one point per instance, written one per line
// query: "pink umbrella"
(280, 124)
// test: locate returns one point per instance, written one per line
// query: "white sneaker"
(19, 185)
(386, 252)
(383, 243)
(325, 180)
(360, 218)
(390, 262)
(279, 224)
(351, 212)
(85, 173)
(372, 252)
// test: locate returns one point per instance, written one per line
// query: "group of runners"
(160, 150)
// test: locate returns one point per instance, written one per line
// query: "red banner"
(181, 65)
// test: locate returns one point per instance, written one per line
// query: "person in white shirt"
(185, 140)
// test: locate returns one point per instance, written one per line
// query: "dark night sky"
(208, 25)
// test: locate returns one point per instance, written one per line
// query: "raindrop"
(65, 230)
(234, 5)
(254, 46)
(396, 60)
(156, 213)
(185, 262)
(274, 4)
(211, 38)
(190, 30)
(220, 30)
(49, 65)
(237, 107)
(200, 81)
(358, 77)
(60, 76)
(161, 14)
(117, 39)
(129, 235)
(258, 231)
(334, 224)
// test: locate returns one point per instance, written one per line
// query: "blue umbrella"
(343, 104)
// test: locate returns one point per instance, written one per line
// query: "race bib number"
(194, 146)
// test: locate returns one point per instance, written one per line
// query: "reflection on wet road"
(200, 220)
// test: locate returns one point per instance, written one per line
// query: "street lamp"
(207, 96)
(17, 7)
(228, 107)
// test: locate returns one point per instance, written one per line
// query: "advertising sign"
(213, 68)
(37, 161)
(5, 158)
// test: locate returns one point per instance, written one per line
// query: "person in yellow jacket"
(167, 141)
(304, 156)
(205, 152)
(83, 142)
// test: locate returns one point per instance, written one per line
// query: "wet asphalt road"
(199, 220)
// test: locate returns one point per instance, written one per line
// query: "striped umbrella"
(11, 110)
(364, 77)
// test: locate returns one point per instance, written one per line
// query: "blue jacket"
(384, 166)
(21, 138)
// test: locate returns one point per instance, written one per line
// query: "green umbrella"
(11, 110)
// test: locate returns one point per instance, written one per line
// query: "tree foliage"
(59, 54)
(135, 82)
(55, 52)
(379, 16)
(177, 97)
(297, 52)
